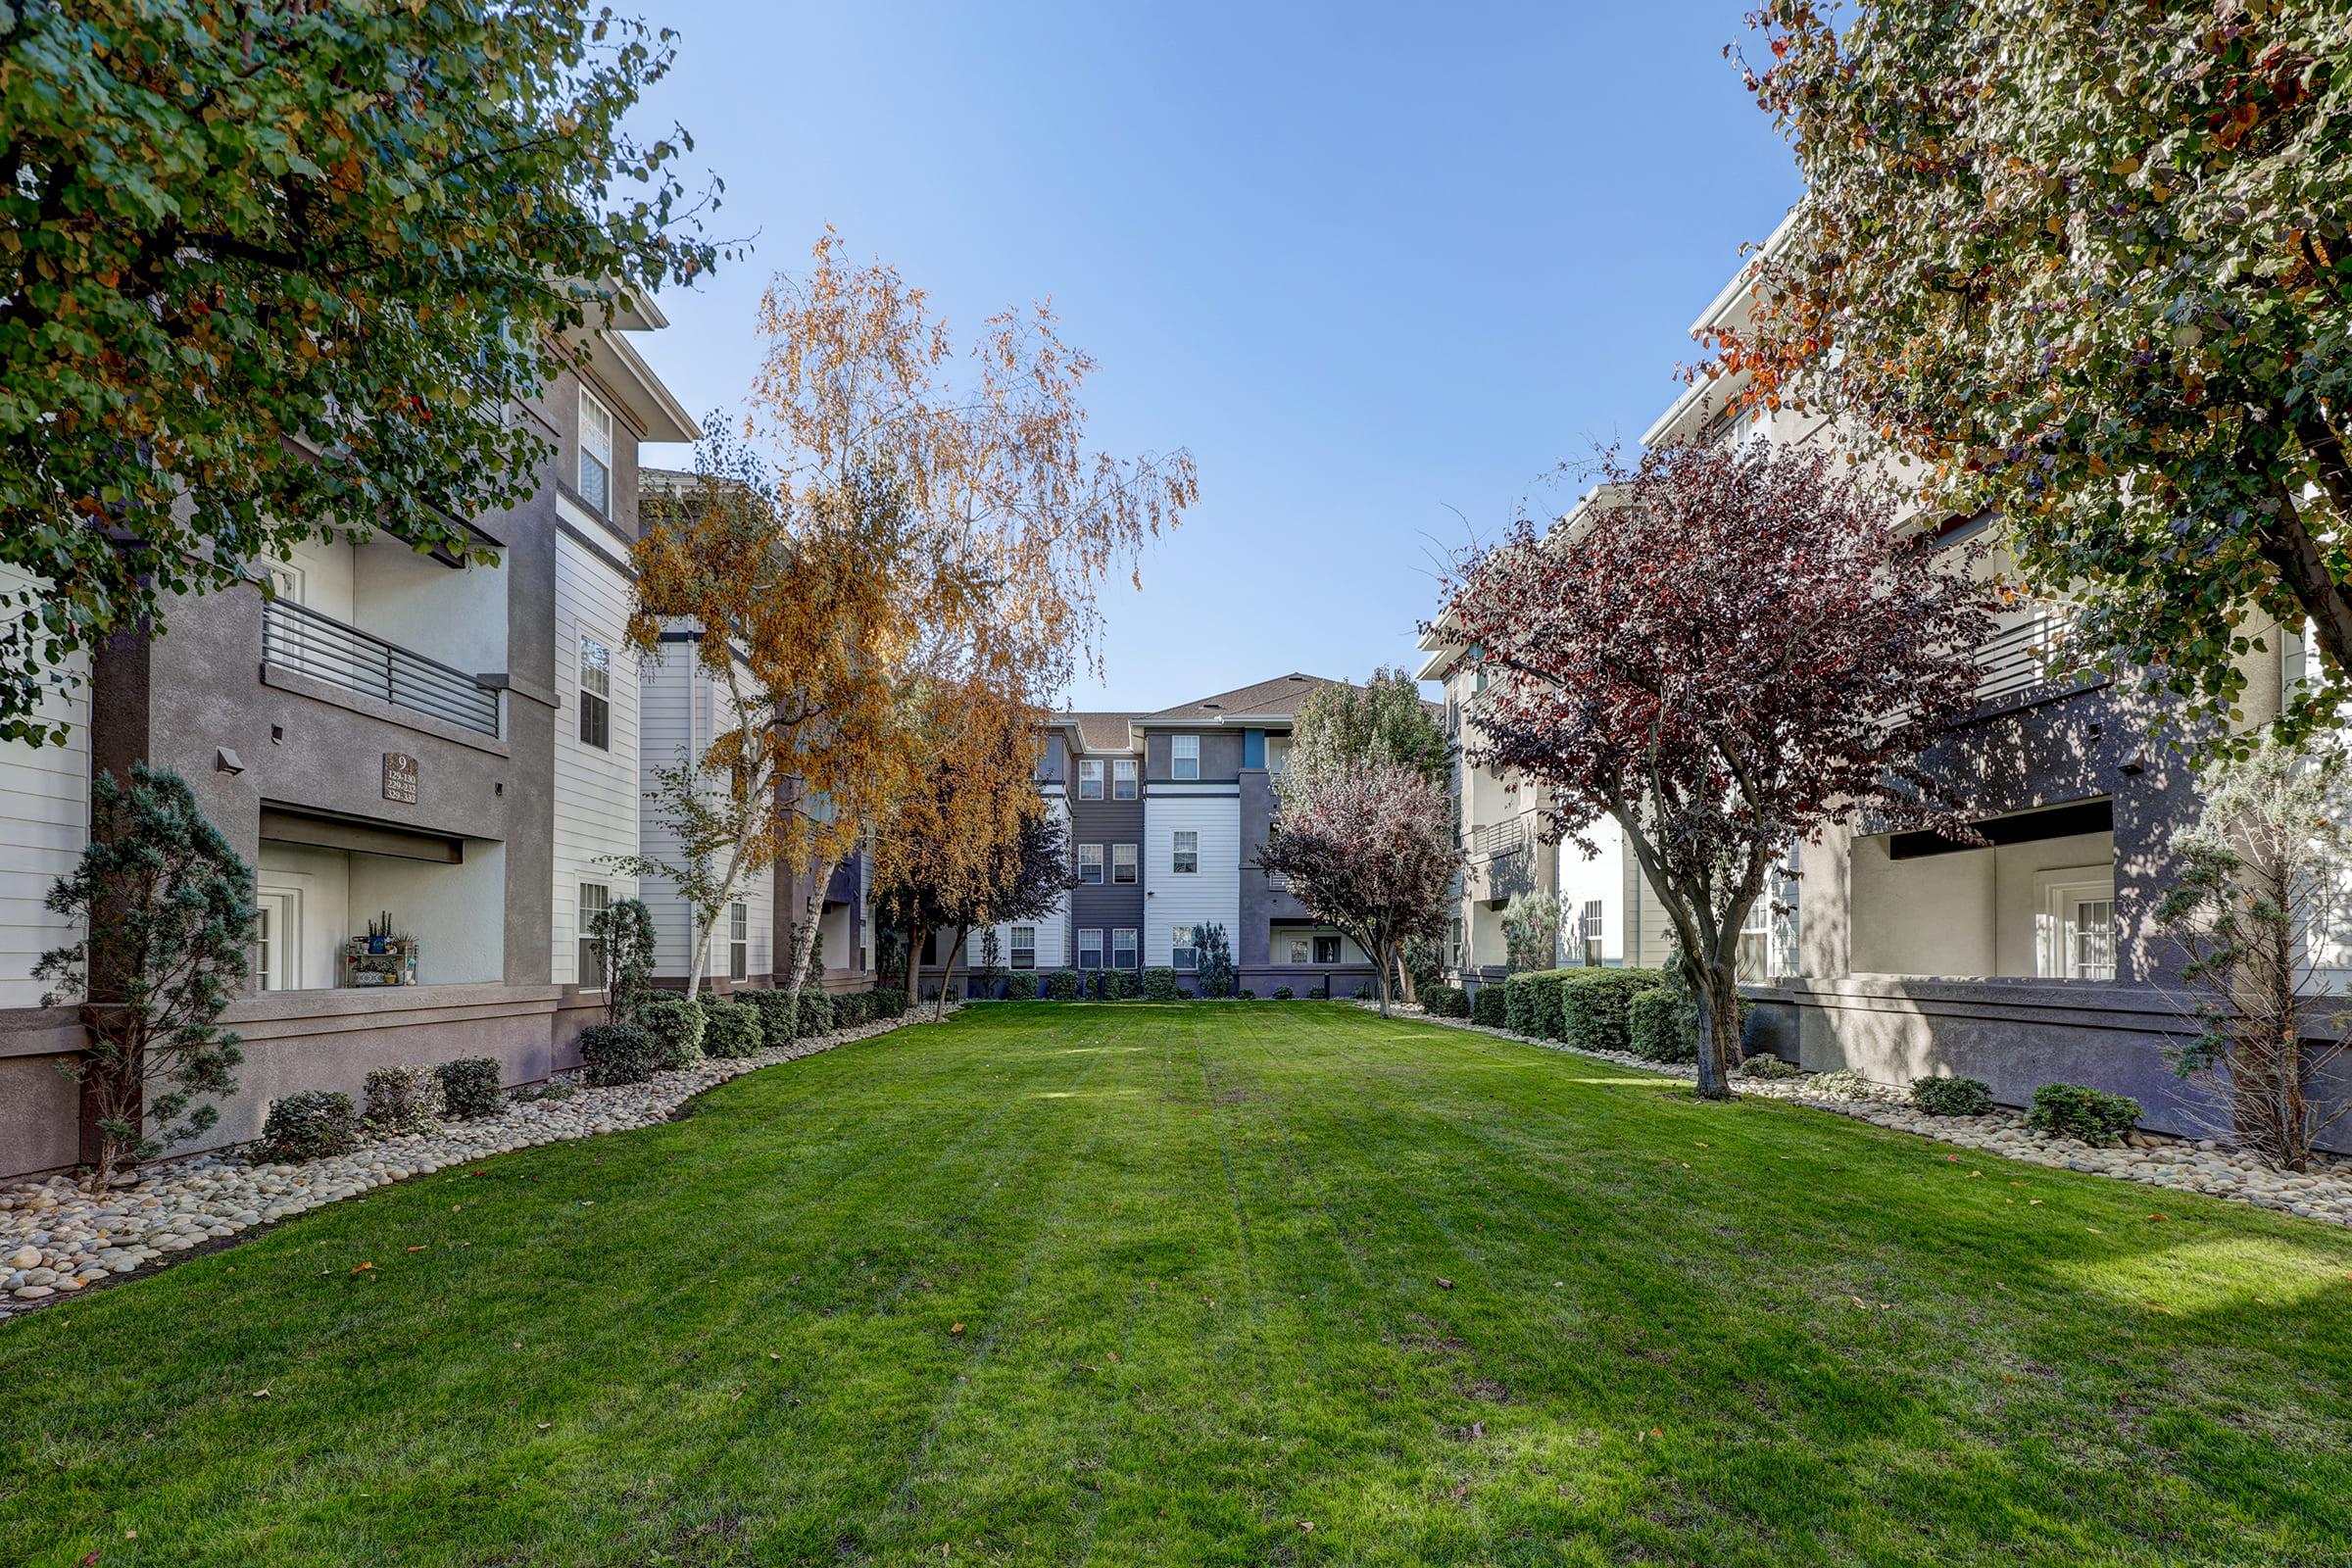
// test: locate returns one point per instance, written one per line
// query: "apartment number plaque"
(400, 777)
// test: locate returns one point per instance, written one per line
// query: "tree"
(165, 908)
(715, 829)
(1373, 853)
(1031, 876)
(1340, 729)
(990, 972)
(1728, 650)
(2092, 267)
(624, 934)
(1214, 963)
(2256, 904)
(1531, 929)
(277, 272)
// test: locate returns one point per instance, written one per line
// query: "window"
(595, 899)
(1123, 862)
(2076, 939)
(1278, 753)
(1299, 949)
(1188, 851)
(1024, 947)
(1090, 948)
(596, 453)
(595, 693)
(1089, 864)
(1090, 778)
(1184, 757)
(2094, 940)
(1327, 949)
(1183, 955)
(1454, 956)
(1589, 930)
(277, 941)
(1122, 778)
(1122, 948)
(738, 941)
(1755, 942)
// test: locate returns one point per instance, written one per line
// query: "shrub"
(1488, 1006)
(1062, 985)
(310, 1124)
(1159, 985)
(1519, 1005)
(1844, 1083)
(529, 1093)
(470, 1086)
(850, 1009)
(2071, 1110)
(1445, 1001)
(1362, 993)
(624, 932)
(1597, 1006)
(814, 1015)
(1020, 986)
(677, 1026)
(1318, 994)
(1125, 985)
(1953, 1097)
(775, 1015)
(1764, 1065)
(403, 1099)
(1249, 996)
(1282, 993)
(1215, 967)
(731, 1029)
(621, 1053)
(888, 1004)
(1655, 1028)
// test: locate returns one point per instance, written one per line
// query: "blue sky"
(1380, 268)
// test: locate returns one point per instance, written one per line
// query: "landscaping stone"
(2199, 1165)
(55, 1236)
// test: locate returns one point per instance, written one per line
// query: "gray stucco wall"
(1220, 753)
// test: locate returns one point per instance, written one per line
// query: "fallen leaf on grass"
(2159, 1216)
(420, 1246)
(955, 1328)
(362, 1268)
(544, 1425)
(1307, 1525)
(259, 1394)
(1445, 1283)
(2095, 1230)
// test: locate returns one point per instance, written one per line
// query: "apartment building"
(1166, 813)
(2029, 959)
(428, 760)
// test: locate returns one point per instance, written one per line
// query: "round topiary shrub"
(1284, 993)
(1062, 985)
(310, 1124)
(1952, 1097)
(730, 1029)
(1489, 1006)
(617, 1054)
(1021, 986)
(1445, 1001)
(677, 1026)
(470, 1086)
(1160, 984)
(2071, 1110)
(403, 1099)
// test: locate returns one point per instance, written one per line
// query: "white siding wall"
(1213, 893)
(44, 824)
(1602, 878)
(595, 791)
(1055, 946)
(677, 713)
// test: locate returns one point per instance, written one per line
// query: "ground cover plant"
(1171, 1283)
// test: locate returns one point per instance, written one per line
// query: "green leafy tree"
(2092, 267)
(707, 817)
(623, 933)
(2258, 896)
(1531, 929)
(165, 909)
(1340, 730)
(270, 273)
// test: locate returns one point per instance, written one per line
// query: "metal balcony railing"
(1498, 839)
(309, 644)
(1279, 881)
(2017, 659)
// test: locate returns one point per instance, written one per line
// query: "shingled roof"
(1278, 698)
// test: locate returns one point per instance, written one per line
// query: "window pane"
(1024, 947)
(1327, 949)
(1123, 862)
(1090, 862)
(1188, 851)
(1090, 949)
(1090, 778)
(596, 453)
(1122, 778)
(1123, 949)
(1185, 757)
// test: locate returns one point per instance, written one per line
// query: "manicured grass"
(1169, 1284)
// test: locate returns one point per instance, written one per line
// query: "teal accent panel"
(1254, 747)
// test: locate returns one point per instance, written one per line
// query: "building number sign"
(400, 777)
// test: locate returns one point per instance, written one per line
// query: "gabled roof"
(1102, 732)
(1278, 698)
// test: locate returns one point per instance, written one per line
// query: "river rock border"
(2200, 1166)
(57, 1239)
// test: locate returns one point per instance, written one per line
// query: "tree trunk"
(2299, 557)
(916, 936)
(1717, 988)
(948, 975)
(1388, 962)
(804, 942)
(1405, 978)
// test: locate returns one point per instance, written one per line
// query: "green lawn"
(1169, 1284)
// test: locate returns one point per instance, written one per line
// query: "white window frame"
(1093, 861)
(2059, 895)
(594, 686)
(278, 938)
(1090, 937)
(738, 941)
(1122, 778)
(1123, 865)
(1021, 949)
(1302, 951)
(1090, 778)
(1590, 930)
(1124, 947)
(1183, 951)
(1184, 757)
(596, 448)
(589, 951)
(1186, 848)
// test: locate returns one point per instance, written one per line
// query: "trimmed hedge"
(2071, 1110)
(1596, 1005)
(617, 1053)
(1159, 985)
(888, 1004)
(1125, 985)
(1062, 985)
(1021, 985)
(853, 1009)
(677, 1026)
(1445, 1001)
(775, 1015)
(470, 1086)
(310, 1124)
(1283, 992)
(730, 1029)
(1489, 1005)
(1656, 1029)
(1953, 1097)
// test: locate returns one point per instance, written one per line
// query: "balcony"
(1496, 840)
(325, 650)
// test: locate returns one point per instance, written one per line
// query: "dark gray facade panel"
(1220, 754)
